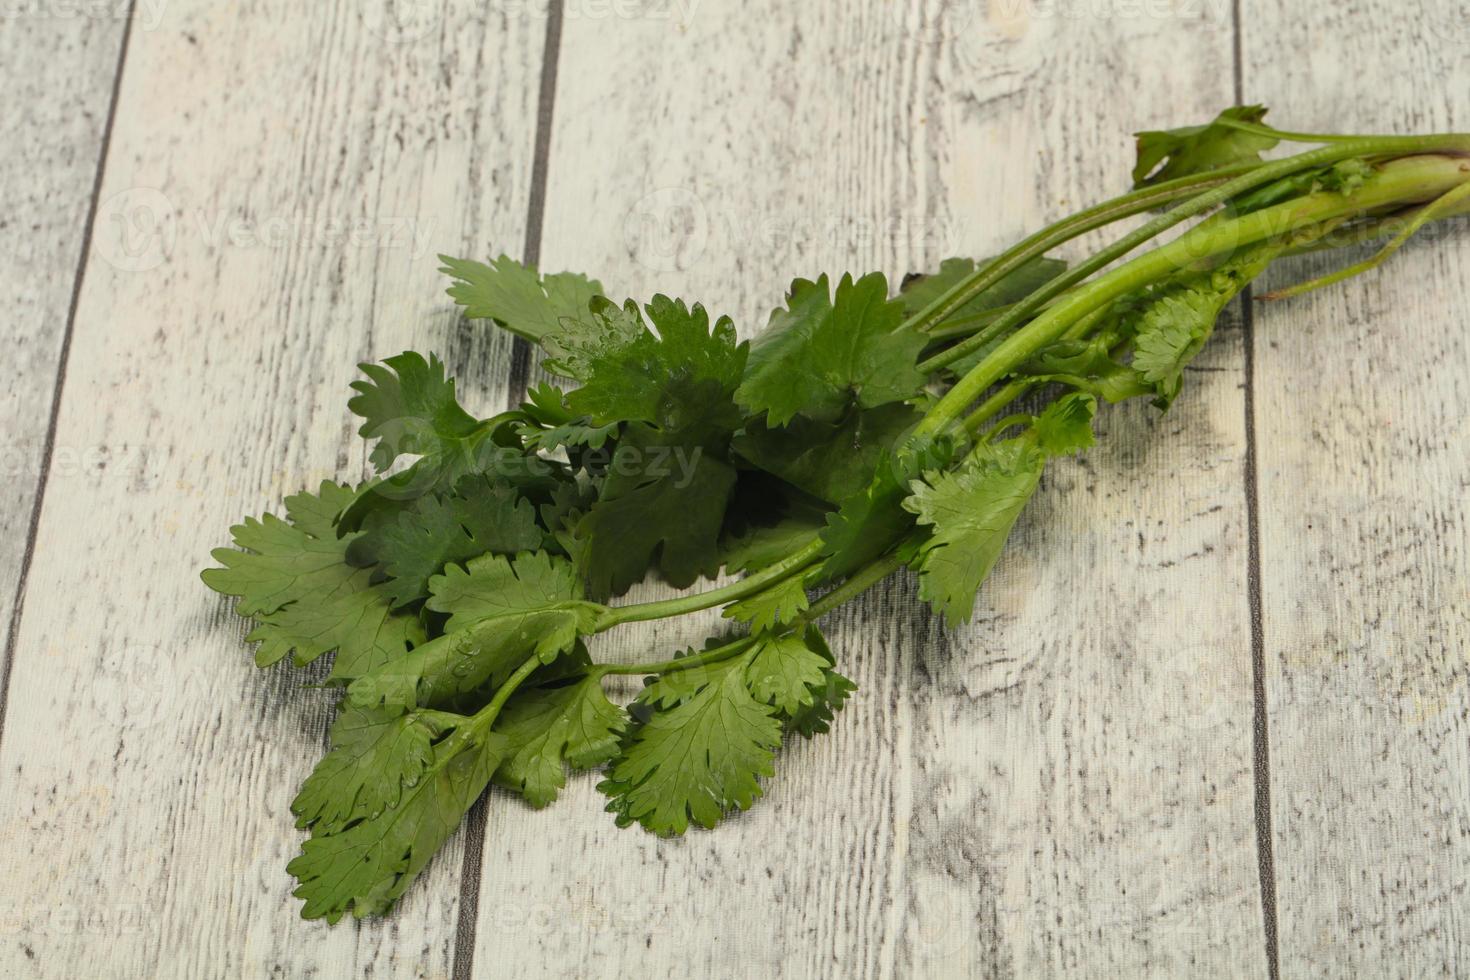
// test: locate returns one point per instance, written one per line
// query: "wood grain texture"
(1362, 415)
(58, 73)
(279, 180)
(1062, 789)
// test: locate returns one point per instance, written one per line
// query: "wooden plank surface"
(58, 74)
(1363, 403)
(286, 172)
(1062, 789)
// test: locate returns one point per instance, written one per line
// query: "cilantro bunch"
(862, 431)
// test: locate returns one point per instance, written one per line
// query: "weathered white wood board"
(58, 74)
(1362, 407)
(279, 179)
(1063, 788)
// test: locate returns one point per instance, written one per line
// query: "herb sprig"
(863, 431)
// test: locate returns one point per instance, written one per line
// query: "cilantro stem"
(1034, 246)
(1070, 312)
(680, 605)
(1202, 242)
(1384, 226)
(1073, 314)
(996, 404)
(855, 584)
(859, 582)
(680, 663)
(484, 719)
(1219, 194)
(1434, 209)
(964, 326)
(1412, 178)
(1002, 398)
(994, 327)
(1019, 418)
(1261, 129)
(968, 326)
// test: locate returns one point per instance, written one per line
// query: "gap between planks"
(1260, 720)
(63, 355)
(520, 369)
(519, 372)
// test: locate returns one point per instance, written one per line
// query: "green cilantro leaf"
(364, 867)
(780, 603)
(669, 507)
(874, 519)
(1065, 426)
(483, 453)
(564, 509)
(678, 377)
(819, 356)
(548, 729)
(787, 671)
(360, 626)
(493, 587)
(375, 756)
(971, 511)
(807, 712)
(280, 562)
(762, 545)
(696, 760)
(829, 460)
(479, 517)
(673, 688)
(499, 613)
(409, 406)
(664, 492)
(315, 514)
(553, 425)
(516, 297)
(1171, 331)
(709, 731)
(293, 579)
(828, 699)
(1197, 149)
(1178, 318)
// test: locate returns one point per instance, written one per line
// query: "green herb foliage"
(457, 592)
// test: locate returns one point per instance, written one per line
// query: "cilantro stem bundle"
(861, 432)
